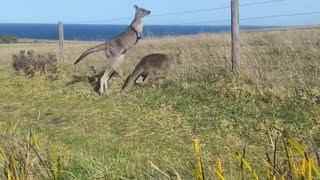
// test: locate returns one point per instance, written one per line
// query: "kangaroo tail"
(97, 48)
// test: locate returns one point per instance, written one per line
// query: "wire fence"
(256, 50)
(208, 10)
(181, 13)
(265, 44)
(315, 43)
(227, 20)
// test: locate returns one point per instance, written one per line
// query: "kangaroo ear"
(135, 6)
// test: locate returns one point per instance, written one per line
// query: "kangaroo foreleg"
(150, 77)
(131, 79)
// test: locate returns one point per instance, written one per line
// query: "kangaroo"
(116, 48)
(150, 67)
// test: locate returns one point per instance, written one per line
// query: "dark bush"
(8, 39)
(29, 62)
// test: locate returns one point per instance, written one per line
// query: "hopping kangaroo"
(115, 49)
(149, 67)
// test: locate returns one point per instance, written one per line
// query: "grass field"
(115, 135)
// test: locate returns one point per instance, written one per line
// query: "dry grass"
(281, 58)
(115, 136)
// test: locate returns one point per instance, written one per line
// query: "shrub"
(8, 39)
(30, 62)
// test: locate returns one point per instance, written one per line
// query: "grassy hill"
(115, 135)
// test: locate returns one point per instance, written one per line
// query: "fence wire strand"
(181, 12)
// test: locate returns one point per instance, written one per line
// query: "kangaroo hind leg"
(115, 63)
(104, 80)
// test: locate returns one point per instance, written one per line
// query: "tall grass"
(26, 158)
(269, 59)
(286, 169)
(148, 132)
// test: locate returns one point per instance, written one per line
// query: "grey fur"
(116, 48)
(150, 67)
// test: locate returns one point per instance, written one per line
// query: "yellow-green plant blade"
(8, 175)
(310, 169)
(293, 164)
(315, 169)
(220, 166)
(200, 174)
(15, 126)
(297, 146)
(220, 176)
(246, 164)
(268, 171)
(39, 140)
(300, 149)
(22, 177)
(64, 158)
(1, 153)
(303, 168)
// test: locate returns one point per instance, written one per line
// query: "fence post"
(235, 36)
(61, 39)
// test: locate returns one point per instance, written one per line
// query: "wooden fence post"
(235, 36)
(61, 39)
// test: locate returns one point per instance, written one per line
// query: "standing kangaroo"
(151, 66)
(116, 48)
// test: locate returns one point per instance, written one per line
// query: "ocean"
(105, 32)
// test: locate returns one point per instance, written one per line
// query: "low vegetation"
(31, 63)
(149, 132)
(8, 39)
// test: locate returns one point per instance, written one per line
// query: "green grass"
(115, 135)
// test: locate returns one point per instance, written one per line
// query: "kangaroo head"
(140, 12)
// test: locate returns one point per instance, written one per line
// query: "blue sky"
(92, 11)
